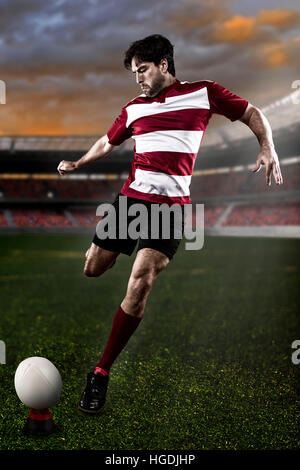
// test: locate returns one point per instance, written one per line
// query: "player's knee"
(146, 276)
(140, 287)
(91, 272)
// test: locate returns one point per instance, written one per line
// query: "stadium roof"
(51, 142)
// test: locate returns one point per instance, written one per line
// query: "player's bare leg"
(98, 260)
(147, 266)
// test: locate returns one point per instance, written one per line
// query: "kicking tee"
(167, 130)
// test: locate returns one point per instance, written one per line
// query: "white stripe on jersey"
(195, 99)
(168, 141)
(151, 182)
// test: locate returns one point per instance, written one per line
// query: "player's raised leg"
(147, 266)
(98, 260)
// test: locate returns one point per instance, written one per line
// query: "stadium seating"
(3, 221)
(242, 182)
(256, 214)
(203, 186)
(287, 213)
(40, 218)
(208, 187)
(85, 217)
(60, 189)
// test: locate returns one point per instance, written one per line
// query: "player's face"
(149, 77)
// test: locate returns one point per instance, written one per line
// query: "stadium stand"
(205, 184)
(241, 215)
(40, 218)
(3, 221)
(265, 214)
(85, 217)
(59, 188)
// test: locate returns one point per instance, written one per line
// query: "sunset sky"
(62, 60)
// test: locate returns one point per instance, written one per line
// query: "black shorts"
(168, 246)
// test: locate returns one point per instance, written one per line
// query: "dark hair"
(153, 48)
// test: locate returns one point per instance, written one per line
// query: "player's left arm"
(260, 126)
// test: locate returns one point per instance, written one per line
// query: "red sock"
(123, 327)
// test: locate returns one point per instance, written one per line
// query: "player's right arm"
(100, 148)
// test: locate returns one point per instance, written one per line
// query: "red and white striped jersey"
(167, 130)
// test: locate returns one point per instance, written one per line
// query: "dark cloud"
(63, 60)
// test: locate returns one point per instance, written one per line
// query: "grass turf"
(208, 368)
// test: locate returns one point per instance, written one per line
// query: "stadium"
(200, 356)
(34, 198)
(239, 387)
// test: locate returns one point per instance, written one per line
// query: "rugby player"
(167, 122)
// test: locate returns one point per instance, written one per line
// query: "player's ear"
(164, 65)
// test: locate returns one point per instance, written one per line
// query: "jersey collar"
(163, 93)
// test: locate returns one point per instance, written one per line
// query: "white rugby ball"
(38, 383)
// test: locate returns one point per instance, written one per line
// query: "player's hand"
(269, 158)
(65, 167)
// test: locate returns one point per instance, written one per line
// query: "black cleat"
(92, 399)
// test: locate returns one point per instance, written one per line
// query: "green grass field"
(208, 368)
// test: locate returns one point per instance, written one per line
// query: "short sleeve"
(118, 132)
(223, 101)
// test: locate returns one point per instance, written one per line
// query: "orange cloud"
(194, 19)
(219, 25)
(45, 113)
(279, 18)
(274, 56)
(237, 29)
